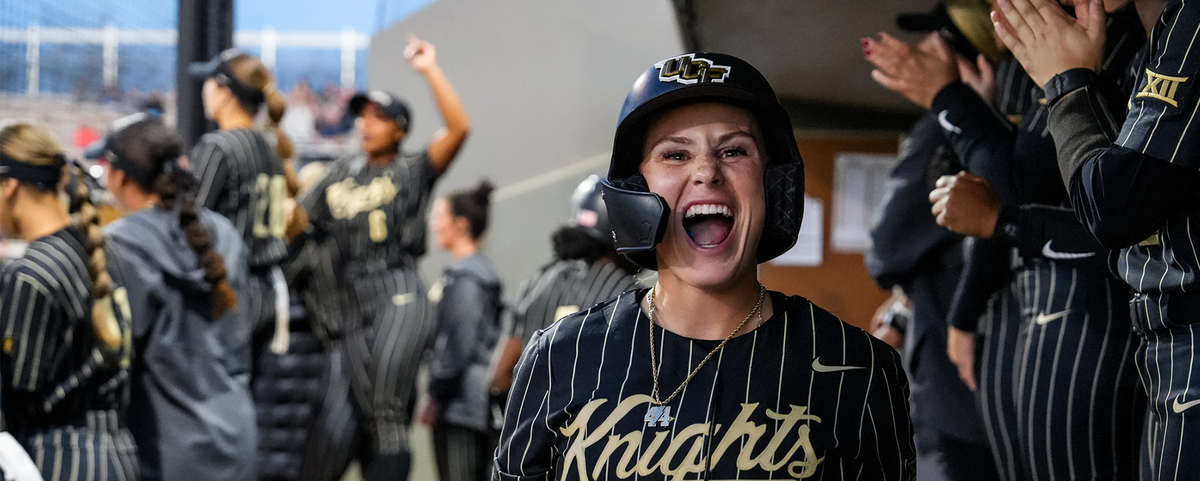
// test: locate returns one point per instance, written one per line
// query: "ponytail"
(276, 107)
(473, 205)
(152, 147)
(254, 75)
(177, 188)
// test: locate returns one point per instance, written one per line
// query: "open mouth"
(708, 224)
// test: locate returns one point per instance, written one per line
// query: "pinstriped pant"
(1079, 410)
(463, 454)
(996, 347)
(259, 303)
(99, 451)
(385, 338)
(335, 438)
(1170, 371)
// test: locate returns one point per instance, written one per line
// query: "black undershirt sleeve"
(1123, 196)
(982, 139)
(986, 269)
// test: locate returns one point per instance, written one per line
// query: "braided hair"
(34, 144)
(153, 150)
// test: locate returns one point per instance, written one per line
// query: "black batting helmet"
(638, 216)
(588, 212)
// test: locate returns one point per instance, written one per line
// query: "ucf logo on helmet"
(687, 70)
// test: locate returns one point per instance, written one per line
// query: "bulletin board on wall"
(833, 274)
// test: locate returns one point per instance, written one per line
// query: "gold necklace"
(654, 364)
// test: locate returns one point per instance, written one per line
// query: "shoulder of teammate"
(422, 163)
(210, 151)
(149, 240)
(37, 267)
(1166, 95)
(588, 327)
(209, 163)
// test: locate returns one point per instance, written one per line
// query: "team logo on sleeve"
(1161, 87)
(687, 70)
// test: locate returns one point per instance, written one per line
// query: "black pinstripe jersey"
(314, 268)
(54, 368)
(1163, 108)
(565, 287)
(241, 178)
(375, 213)
(802, 396)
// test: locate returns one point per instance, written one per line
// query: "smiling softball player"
(707, 374)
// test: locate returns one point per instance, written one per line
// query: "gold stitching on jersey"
(347, 199)
(625, 452)
(1161, 87)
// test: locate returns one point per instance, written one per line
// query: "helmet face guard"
(639, 217)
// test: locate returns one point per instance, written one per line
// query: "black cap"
(209, 69)
(218, 68)
(964, 24)
(386, 101)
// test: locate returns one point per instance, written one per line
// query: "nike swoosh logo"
(945, 123)
(1063, 256)
(1180, 408)
(1045, 319)
(817, 366)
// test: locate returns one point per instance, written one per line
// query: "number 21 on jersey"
(269, 218)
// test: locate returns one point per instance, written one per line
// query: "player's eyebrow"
(737, 133)
(678, 139)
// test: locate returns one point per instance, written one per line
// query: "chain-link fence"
(76, 65)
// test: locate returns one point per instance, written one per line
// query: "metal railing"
(268, 40)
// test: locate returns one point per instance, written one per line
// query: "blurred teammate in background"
(586, 270)
(469, 302)
(66, 349)
(1073, 362)
(922, 261)
(373, 208)
(242, 174)
(184, 270)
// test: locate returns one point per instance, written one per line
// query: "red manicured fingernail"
(866, 51)
(865, 42)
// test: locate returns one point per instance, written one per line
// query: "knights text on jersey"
(241, 178)
(803, 396)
